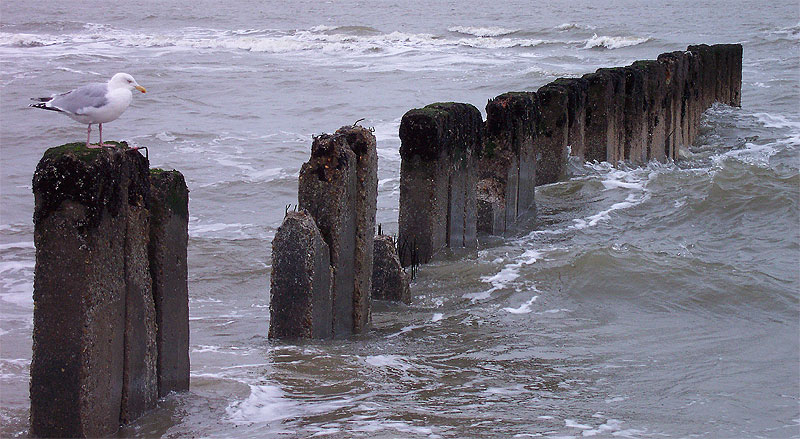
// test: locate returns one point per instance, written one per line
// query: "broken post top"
(90, 177)
(440, 128)
(171, 187)
(359, 139)
(330, 156)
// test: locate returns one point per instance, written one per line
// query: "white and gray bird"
(94, 103)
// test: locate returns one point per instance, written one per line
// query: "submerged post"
(437, 179)
(300, 286)
(169, 236)
(89, 259)
(389, 280)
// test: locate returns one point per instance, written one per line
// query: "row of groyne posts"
(111, 314)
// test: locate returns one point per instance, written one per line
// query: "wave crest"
(610, 42)
(493, 31)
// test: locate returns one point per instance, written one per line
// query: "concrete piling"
(301, 304)
(599, 116)
(79, 293)
(551, 134)
(140, 378)
(675, 66)
(437, 179)
(389, 280)
(692, 95)
(507, 163)
(654, 74)
(362, 142)
(91, 284)
(96, 358)
(736, 74)
(615, 149)
(337, 198)
(635, 122)
(576, 113)
(492, 209)
(328, 189)
(169, 236)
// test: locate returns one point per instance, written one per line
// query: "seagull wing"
(81, 99)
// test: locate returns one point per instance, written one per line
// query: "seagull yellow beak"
(140, 88)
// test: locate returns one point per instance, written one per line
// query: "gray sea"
(656, 301)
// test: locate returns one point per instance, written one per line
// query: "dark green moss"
(79, 150)
(489, 148)
(440, 128)
(169, 188)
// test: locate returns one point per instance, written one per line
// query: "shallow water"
(653, 301)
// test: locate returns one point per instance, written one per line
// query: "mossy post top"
(443, 128)
(510, 115)
(89, 176)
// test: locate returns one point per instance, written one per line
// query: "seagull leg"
(101, 144)
(88, 134)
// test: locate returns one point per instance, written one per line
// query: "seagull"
(94, 103)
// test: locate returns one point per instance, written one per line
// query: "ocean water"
(643, 301)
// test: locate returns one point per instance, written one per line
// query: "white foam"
(265, 404)
(604, 215)
(388, 361)
(403, 427)
(404, 330)
(610, 42)
(525, 308)
(777, 121)
(437, 317)
(500, 43)
(571, 26)
(29, 40)
(571, 423)
(492, 31)
(506, 276)
(751, 154)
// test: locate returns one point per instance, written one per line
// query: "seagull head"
(124, 80)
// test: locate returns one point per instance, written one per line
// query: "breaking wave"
(482, 31)
(609, 42)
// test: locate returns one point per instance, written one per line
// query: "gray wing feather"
(80, 99)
